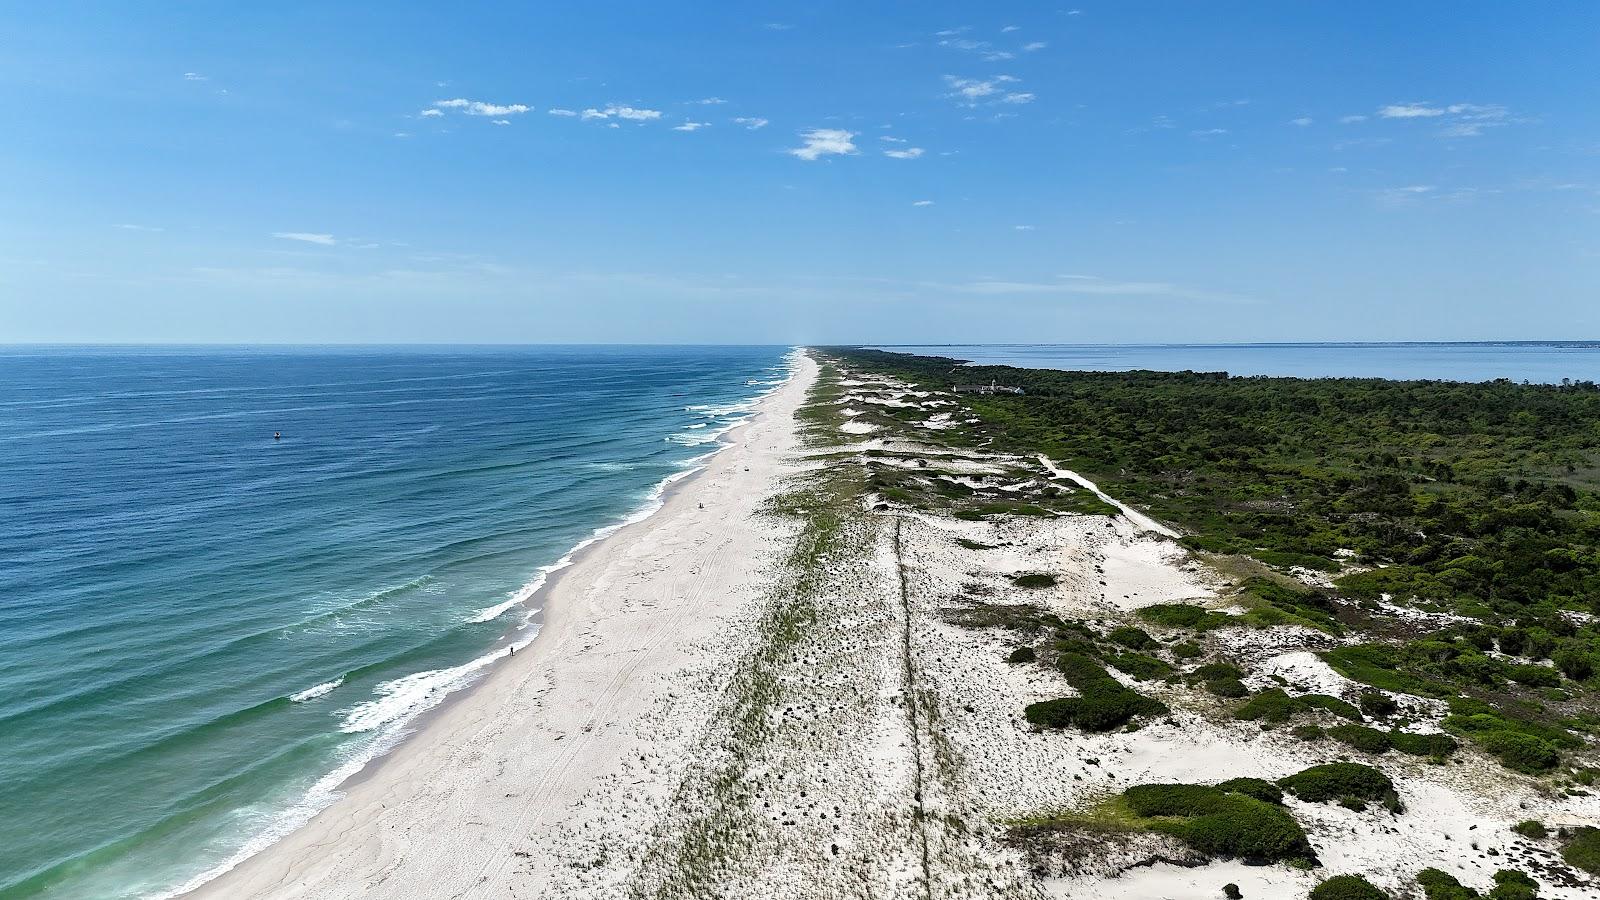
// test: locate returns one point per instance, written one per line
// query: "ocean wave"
(317, 690)
(404, 698)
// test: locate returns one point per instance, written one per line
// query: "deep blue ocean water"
(1539, 362)
(203, 629)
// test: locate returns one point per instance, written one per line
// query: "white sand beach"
(476, 801)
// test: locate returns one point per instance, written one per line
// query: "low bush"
(1232, 892)
(1347, 887)
(1510, 884)
(1309, 732)
(1530, 828)
(1183, 615)
(1231, 688)
(1521, 752)
(1367, 740)
(1140, 666)
(1437, 746)
(1332, 704)
(1222, 823)
(1535, 676)
(1022, 655)
(1271, 705)
(1131, 637)
(1583, 851)
(1379, 706)
(1034, 580)
(1334, 781)
(1438, 885)
(1259, 788)
(1186, 650)
(1103, 703)
(974, 545)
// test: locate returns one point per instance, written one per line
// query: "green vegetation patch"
(1034, 580)
(1347, 887)
(1221, 822)
(1276, 707)
(1341, 780)
(1509, 884)
(1583, 850)
(1103, 703)
(1184, 615)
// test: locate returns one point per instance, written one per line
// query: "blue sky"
(799, 172)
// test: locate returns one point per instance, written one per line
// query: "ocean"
(1545, 362)
(204, 627)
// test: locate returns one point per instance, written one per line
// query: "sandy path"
(487, 799)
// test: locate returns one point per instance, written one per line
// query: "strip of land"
(874, 652)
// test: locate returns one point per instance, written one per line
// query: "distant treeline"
(1484, 494)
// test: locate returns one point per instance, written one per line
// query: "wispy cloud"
(1208, 132)
(1022, 228)
(751, 122)
(690, 126)
(974, 91)
(1351, 120)
(194, 76)
(1461, 120)
(128, 227)
(711, 101)
(480, 108)
(820, 142)
(632, 114)
(562, 112)
(308, 237)
(1034, 46)
(1303, 121)
(906, 153)
(1409, 111)
(922, 203)
(431, 113)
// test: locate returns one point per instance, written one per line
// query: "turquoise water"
(1539, 362)
(203, 629)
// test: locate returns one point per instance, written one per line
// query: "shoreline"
(304, 862)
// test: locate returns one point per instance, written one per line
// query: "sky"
(822, 172)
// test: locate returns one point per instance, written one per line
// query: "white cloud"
(1351, 120)
(127, 227)
(1010, 28)
(501, 122)
(326, 240)
(1036, 45)
(891, 138)
(751, 122)
(1208, 132)
(480, 108)
(562, 112)
(431, 113)
(630, 113)
(711, 101)
(1018, 97)
(820, 142)
(1409, 111)
(690, 126)
(1303, 121)
(778, 26)
(922, 203)
(1022, 227)
(194, 76)
(971, 90)
(907, 153)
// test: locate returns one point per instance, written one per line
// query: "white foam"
(317, 690)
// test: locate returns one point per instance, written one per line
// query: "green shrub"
(1509, 884)
(1309, 732)
(1232, 688)
(1574, 663)
(1186, 650)
(1521, 752)
(1437, 746)
(1140, 666)
(1022, 655)
(1232, 892)
(1347, 887)
(1379, 706)
(1103, 703)
(1259, 788)
(1367, 740)
(1437, 885)
(1332, 704)
(1183, 615)
(1530, 828)
(1220, 823)
(974, 545)
(1270, 705)
(1535, 676)
(1583, 851)
(1131, 637)
(1034, 580)
(1332, 781)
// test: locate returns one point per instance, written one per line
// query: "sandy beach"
(478, 800)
